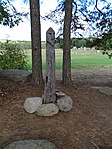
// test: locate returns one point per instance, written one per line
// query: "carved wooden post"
(49, 91)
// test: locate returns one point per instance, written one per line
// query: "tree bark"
(37, 77)
(66, 73)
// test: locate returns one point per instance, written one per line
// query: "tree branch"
(75, 5)
(96, 6)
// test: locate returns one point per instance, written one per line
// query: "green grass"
(80, 59)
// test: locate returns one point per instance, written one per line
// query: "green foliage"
(79, 42)
(59, 43)
(9, 16)
(25, 45)
(43, 44)
(106, 44)
(0, 45)
(12, 57)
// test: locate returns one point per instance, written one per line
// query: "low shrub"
(12, 57)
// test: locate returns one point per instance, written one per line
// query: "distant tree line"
(24, 45)
(75, 42)
(104, 43)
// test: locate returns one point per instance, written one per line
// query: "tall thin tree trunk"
(37, 77)
(66, 74)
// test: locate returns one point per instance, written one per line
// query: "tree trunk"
(37, 77)
(66, 74)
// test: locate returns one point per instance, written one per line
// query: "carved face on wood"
(50, 36)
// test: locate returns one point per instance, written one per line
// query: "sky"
(23, 31)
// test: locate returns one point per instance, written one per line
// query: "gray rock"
(31, 144)
(65, 103)
(106, 90)
(15, 74)
(97, 87)
(49, 109)
(31, 104)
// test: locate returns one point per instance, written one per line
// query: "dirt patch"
(90, 118)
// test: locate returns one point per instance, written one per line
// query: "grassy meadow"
(80, 59)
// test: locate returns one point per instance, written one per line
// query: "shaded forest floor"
(90, 118)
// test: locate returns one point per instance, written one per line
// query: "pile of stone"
(53, 100)
(36, 104)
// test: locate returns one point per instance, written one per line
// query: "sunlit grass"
(79, 59)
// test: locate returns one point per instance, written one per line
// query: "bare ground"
(90, 118)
